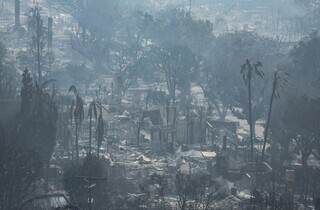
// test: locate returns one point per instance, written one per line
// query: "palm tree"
(279, 80)
(100, 131)
(248, 71)
(76, 113)
(93, 106)
(40, 114)
(43, 103)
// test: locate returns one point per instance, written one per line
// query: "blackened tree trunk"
(250, 119)
(268, 120)
(90, 131)
(138, 133)
(38, 49)
(77, 142)
(100, 132)
(247, 71)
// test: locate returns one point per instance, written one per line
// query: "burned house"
(215, 131)
(191, 128)
(161, 138)
(163, 127)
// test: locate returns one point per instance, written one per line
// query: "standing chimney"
(17, 13)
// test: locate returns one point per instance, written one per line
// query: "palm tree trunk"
(188, 137)
(268, 122)
(72, 149)
(174, 96)
(77, 140)
(90, 126)
(46, 182)
(90, 194)
(200, 129)
(304, 160)
(138, 133)
(253, 123)
(38, 48)
(174, 114)
(250, 119)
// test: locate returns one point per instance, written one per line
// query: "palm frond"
(95, 111)
(256, 69)
(259, 73)
(73, 89)
(100, 130)
(46, 83)
(90, 109)
(72, 110)
(54, 94)
(247, 62)
(280, 80)
(243, 68)
(81, 117)
(245, 79)
(258, 64)
(102, 107)
(79, 110)
(46, 97)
